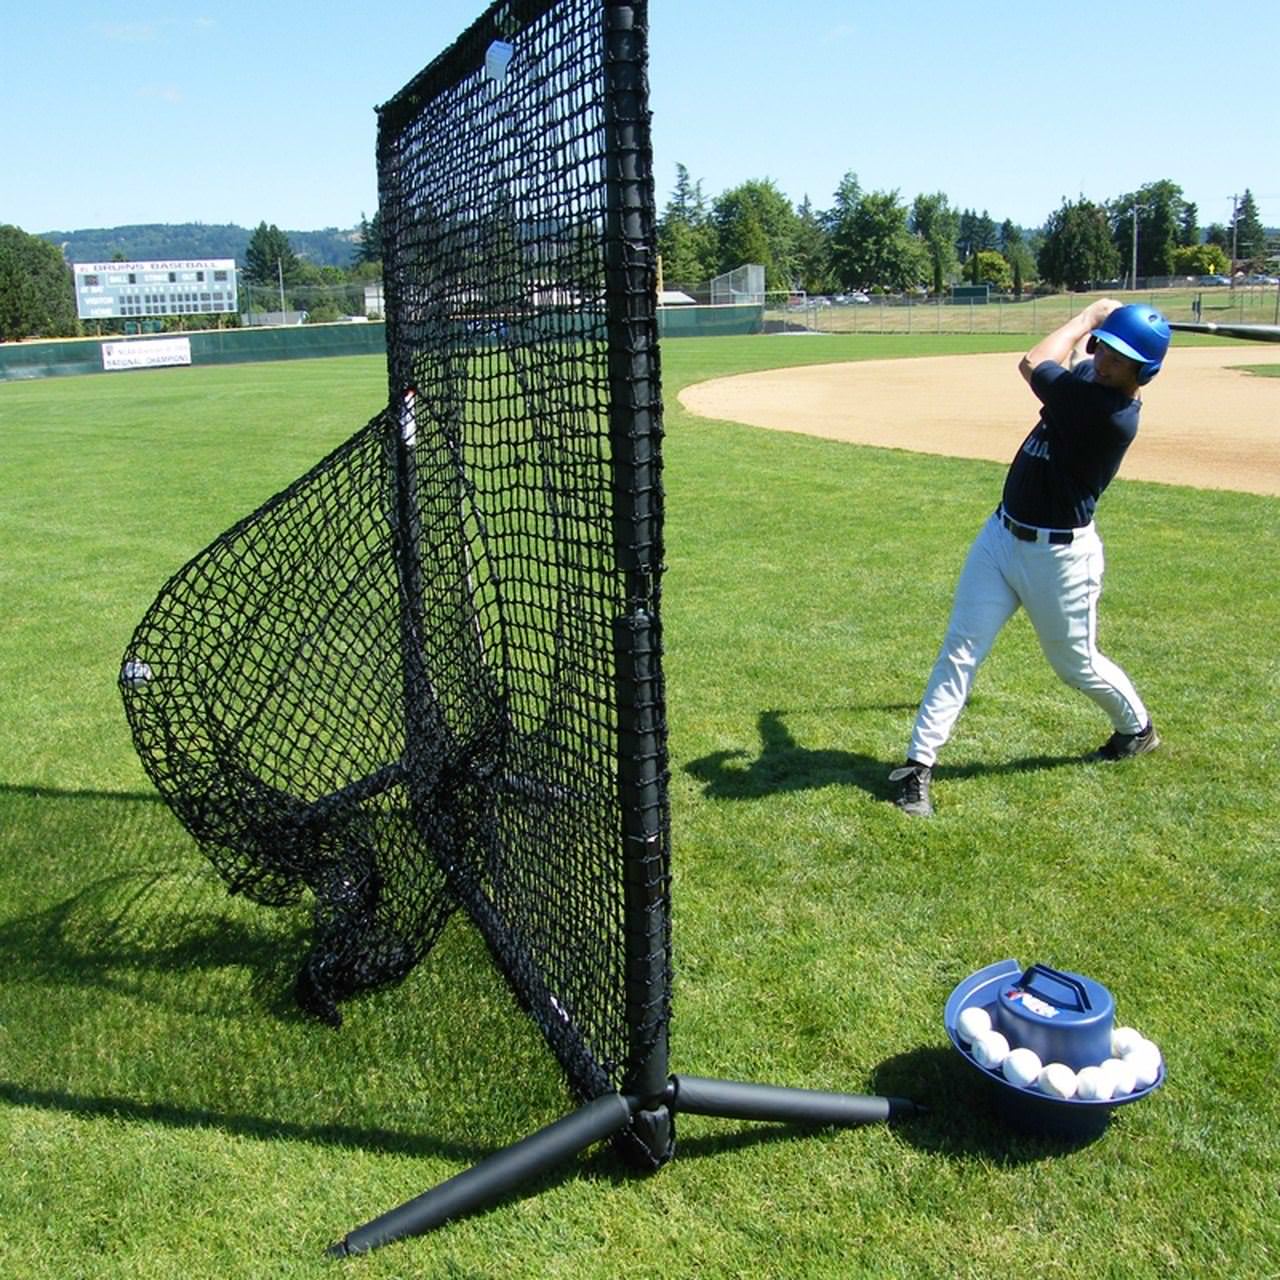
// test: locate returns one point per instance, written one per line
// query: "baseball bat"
(1248, 332)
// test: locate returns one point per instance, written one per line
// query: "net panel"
(428, 674)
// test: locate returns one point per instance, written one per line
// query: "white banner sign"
(146, 355)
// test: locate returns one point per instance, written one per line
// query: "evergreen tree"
(269, 255)
(984, 233)
(369, 240)
(1251, 237)
(1078, 248)
(687, 241)
(686, 200)
(1188, 228)
(1160, 210)
(840, 224)
(813, 250)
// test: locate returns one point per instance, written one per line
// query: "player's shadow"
(784, 765)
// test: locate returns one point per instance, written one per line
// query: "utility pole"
(280, 276)
(1235, 213)
(1133, 275)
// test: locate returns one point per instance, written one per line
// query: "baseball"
(972, 1022)
(1124, 1040)
(1057, 1080)
(134, 673)
(1021, 1067)
(1124, 1077)
(1093, 1084)
(1145, 1061)
(990, 1049)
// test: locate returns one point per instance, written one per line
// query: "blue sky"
(225, 111)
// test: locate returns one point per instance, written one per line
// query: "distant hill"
(146, 242)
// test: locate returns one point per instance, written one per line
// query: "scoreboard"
(115, 290)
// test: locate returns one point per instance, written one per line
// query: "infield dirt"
(1204, 423)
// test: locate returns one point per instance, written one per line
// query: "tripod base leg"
(605, 1117)
(493, 1177)
(699, 1096)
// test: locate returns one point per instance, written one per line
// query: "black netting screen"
(427, 675)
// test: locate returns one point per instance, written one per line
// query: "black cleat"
(913, 789)
(1123, 746)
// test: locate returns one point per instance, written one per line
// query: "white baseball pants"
(1058, 586)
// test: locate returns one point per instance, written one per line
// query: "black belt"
(1029, 533)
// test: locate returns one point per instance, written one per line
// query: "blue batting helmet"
(1139, 332)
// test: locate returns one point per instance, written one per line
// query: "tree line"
(874, 240)
(37, 292)
(869, 240)
(155, 241)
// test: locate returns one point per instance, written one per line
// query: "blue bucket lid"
(1053, 996)
(1063, 1016)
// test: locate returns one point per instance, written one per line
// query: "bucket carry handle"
(1072, 984)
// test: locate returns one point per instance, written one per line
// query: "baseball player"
(1039, 549)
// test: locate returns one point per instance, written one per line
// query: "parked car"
(854, 298)
(1214, 280)
(1256, 278)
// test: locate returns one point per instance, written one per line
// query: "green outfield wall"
(709, 322)
(20, 360)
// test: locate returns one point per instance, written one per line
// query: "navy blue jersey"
(1073, 452)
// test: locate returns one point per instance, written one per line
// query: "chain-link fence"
(995, 314)
(314, 303)
(744, 286)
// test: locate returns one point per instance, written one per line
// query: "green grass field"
(164, 1112)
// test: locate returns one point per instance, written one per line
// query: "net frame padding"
(428, 674)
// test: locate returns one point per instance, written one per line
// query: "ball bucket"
(1063, 1017)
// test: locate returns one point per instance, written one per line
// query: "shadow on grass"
(964, 1121)
(127, 907)
(62, 793)
(153, 907)
(113, 932)
(173, 1116)
(784, 765)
